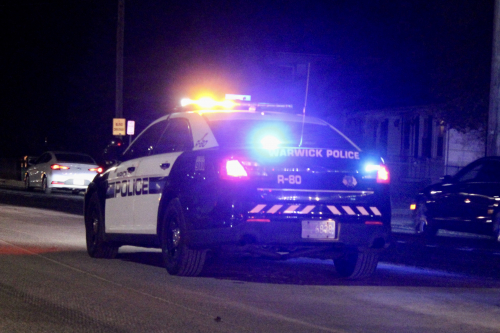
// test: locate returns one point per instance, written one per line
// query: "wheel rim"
(93, 229)
(496, 228)
(422, 223)
(173, 239)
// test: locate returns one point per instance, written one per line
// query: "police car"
(238, 177)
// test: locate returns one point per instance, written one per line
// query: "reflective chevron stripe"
(362, 210)
(257, 208)
(307, 209)
(291, 209)
(376, 211)
(301, 209)
(334, 210)
(274, 209)
(348, 210)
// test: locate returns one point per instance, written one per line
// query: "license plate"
(318, 229)
(78, 181)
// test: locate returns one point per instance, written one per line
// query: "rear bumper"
(68, 182)
(290, 233)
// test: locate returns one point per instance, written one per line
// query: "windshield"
(238, 133)
(74, 158)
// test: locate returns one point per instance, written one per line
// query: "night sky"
(58, 59)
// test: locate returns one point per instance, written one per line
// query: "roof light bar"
(209, 103)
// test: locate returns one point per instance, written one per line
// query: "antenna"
(305, 104)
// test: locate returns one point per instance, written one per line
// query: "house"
(418, 148)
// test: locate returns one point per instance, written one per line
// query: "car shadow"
(407, 262)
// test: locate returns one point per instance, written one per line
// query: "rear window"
(74, 158)
(238, 133)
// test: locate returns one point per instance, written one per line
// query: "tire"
(45, 188)
(496, 228)
(27, 186)
(424, 225)
(357, 264)
(178, 258)
(97, 247)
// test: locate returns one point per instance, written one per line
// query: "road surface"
(49, 284)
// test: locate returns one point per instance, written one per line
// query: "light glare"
(235, 169)
(270, 142)
(372, 167)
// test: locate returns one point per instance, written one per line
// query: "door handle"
(131, 169)
(165, 166)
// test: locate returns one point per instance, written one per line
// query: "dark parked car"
(468, 201)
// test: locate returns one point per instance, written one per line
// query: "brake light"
(383, 175)
(98, 169)
(59, 167)
(233, 169)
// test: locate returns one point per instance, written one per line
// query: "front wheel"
(178, 258)
(27, 185)
(357, 264)
(496, 227)
(97, 247)
(423, 223)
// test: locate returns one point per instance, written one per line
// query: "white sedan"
(61, 170)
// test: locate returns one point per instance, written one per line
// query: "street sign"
(119, 126)
(130, 127)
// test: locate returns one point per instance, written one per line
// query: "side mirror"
(446, 179)
(113, 152)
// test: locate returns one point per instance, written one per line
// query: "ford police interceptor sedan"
(260, 182)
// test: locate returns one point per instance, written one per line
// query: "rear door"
(453, 198)
(39, 168)
(482, 192)
(125, 183)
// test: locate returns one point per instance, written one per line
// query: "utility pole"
(119, 59)
(493, 137)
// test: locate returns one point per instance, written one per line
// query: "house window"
(427, 137)
(384, 134)
(416, 136)
(440, 141)
(406, 135)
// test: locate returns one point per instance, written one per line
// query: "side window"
(43, 159)
(177, 137)
(145, 143)
(470, 174)
(490, 172)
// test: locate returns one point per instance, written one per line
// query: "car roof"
(258, 115)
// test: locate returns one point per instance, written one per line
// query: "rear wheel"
(424, 225)
(97, 247)
(178, 258)
(45, 188)
(357, 264)
(27, 185)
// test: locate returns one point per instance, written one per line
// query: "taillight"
(231, 169)
(98, 169)
(59, 167)
(383, 175)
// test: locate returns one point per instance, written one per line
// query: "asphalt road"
(49, 284)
